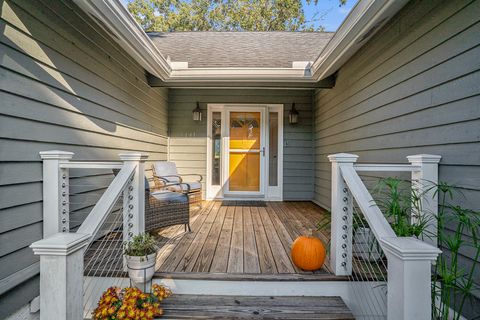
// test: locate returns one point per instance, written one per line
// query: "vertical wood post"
(409, 277)
(423, 182)
(134, 196)
(61, 275)
(55, 192)
(342, 216)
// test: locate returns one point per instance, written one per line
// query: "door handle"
(263, 151)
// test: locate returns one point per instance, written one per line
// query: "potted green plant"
(140, 255)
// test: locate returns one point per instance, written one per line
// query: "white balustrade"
(423, 183)
(55, 192)
(342, 216)
(409, 259)
(61, 275)
(62, 253)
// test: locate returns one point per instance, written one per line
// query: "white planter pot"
(365, 246)
(141, 269)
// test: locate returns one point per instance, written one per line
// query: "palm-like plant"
(452, 284)
(401, 205)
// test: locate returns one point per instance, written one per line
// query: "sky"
(330, 14)
(326, 13)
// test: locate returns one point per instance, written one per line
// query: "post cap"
(409, 248)
(424, 158)
(343, 157)
(133, 156)
(56, 155)
(60, 244)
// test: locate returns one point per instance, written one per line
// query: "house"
(398, 78)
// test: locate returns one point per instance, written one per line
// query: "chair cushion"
(166, 168)
(169, 196)
(194, 186)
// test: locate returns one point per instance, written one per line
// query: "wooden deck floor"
(238, 240)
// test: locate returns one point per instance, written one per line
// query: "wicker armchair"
(164, 208)
(165, 175)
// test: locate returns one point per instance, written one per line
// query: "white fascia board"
(354, 32)
(113, 15)
(244, 74)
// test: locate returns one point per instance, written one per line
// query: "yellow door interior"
(244, 155)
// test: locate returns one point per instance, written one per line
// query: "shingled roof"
(240, 49)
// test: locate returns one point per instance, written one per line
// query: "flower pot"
(365, 245)
(141, 269)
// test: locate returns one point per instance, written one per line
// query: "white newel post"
(342, 215)
(55, 192)
(422, 181)
(409, 277)
(134, 196)
(61, 275)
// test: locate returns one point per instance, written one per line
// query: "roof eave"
(365, 19)
(115, 18)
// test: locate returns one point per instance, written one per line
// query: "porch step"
(320, 275)
(182, 306)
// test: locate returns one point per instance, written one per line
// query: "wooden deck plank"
(265, 256)
(184, 242)
(286, 220)
(169, 240)
(205, 258)
(191, 255)
(254, 307)
(283, 234)
(250, 253)
(235, 257)
(280, 255)
(293, 216)
(220, 260)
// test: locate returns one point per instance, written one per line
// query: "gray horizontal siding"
(413, 88)
(65, 85)
(188, 138)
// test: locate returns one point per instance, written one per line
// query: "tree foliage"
(222, 15)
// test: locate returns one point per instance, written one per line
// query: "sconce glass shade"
(197, 113)
(293, 115)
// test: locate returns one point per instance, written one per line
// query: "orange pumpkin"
(308, 253)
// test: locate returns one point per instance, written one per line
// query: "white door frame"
(270, 193)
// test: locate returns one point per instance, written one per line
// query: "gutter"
(365, 19)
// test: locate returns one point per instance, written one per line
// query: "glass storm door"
(246, 152)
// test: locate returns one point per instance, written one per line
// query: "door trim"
(267, 192)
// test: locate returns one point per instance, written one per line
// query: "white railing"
(62, 252)
(409, 259)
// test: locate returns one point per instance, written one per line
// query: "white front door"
(244, 152)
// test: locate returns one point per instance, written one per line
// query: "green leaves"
(221, 15)
(400, 204)
(141, 245)
(452, 284)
